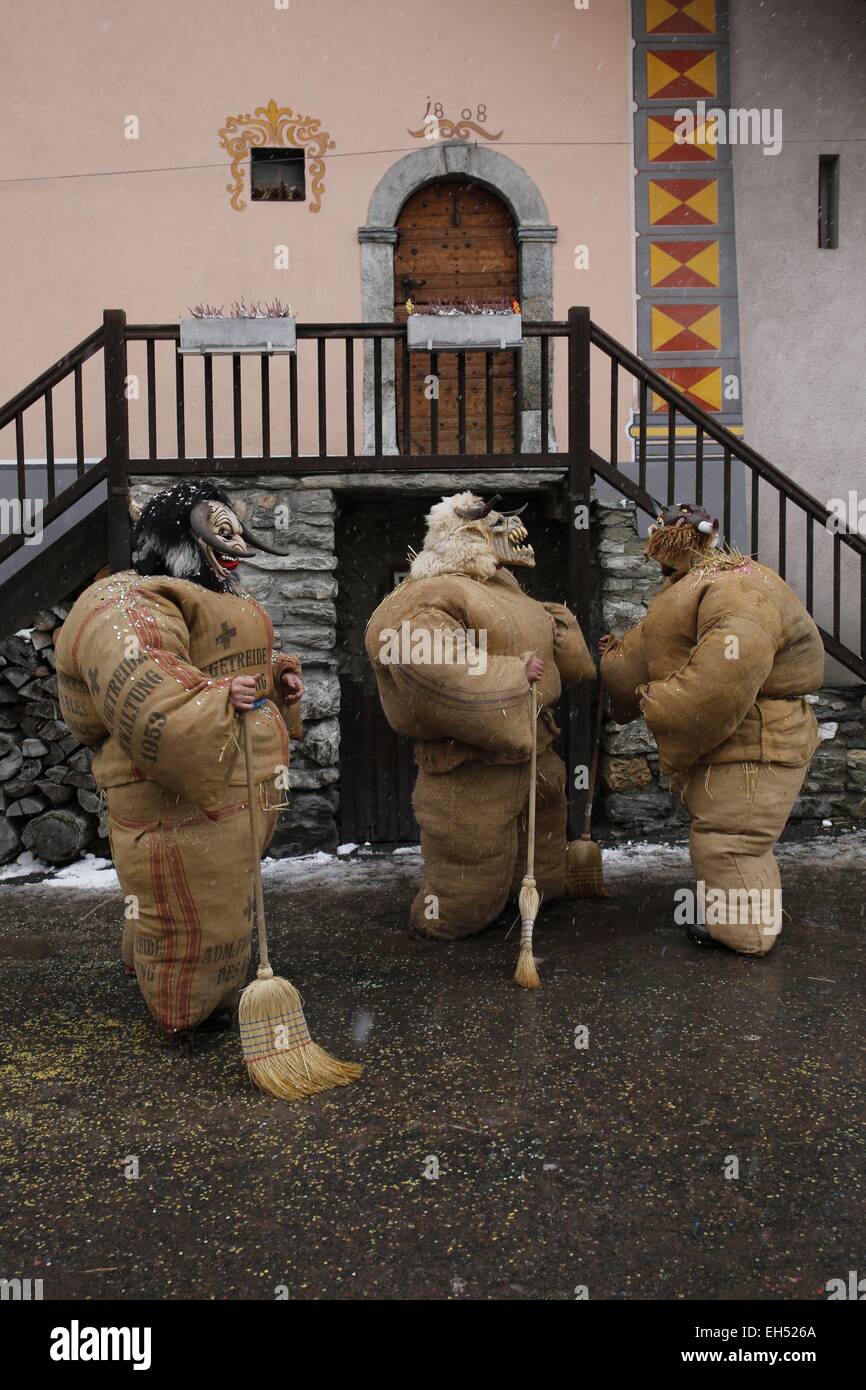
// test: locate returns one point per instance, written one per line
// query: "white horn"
(707, 527)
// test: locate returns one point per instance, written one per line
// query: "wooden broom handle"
(593, 772)
(530, 832)
(257, 858)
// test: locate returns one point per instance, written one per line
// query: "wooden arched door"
(456, 240)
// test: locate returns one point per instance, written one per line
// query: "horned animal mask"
(680, 535)
(467, 535)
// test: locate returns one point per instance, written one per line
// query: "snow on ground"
(356, 864)
(848, 850)
(87, 873)
(644, 856)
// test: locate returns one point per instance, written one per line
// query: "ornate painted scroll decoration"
(437, 127)
(271, 126)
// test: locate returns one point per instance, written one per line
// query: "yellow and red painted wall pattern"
(687, 323)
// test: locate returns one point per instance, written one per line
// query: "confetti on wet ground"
(483, 1154)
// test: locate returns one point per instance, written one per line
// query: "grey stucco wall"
(803, 310)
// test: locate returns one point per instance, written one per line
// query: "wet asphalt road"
(558, 1166)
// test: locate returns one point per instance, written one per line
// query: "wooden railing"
(794, 506)
(16, 416)
(361, 362)
(325, 456)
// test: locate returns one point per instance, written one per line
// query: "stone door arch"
(378, 237)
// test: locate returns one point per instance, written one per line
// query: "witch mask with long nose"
(192, 532)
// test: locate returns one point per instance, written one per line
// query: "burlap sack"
(479, 710)
(712, 667)
(144, 668)
(473, 839)
(472, 727)
(186, 876)
(738, 812)
(144, 672)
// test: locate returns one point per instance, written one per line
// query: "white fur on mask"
(453, 545)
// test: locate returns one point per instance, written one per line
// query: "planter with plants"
(255, 328)
(464, 325)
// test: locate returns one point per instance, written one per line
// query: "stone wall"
(43, 785)
(48, 800)
(49, 804)
(635, 795)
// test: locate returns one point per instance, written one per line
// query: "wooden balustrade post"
(116, 437)
(579, 551)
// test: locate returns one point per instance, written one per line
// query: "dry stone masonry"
(48, 800)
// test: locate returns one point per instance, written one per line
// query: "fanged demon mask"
(191, 532)
(681, 536)
(466, 535)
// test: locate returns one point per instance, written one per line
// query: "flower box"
(237, 335)
(464, 332)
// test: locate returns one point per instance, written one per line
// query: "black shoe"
(702, 936)
(217, 1022)
(184, 1039)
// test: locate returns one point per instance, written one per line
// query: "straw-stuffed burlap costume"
(145, 665)
(719, 668)
(450, 648)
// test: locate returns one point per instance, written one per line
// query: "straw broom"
(281, 1057)
(526, 974)
(584, 877)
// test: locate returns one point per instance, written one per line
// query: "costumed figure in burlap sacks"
(153, 665)
(719, 668)
(455, 648)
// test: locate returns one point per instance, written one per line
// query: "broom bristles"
(584, 876)
(281, 1057)
(526, 974)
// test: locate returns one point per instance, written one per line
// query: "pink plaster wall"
(154, 243)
